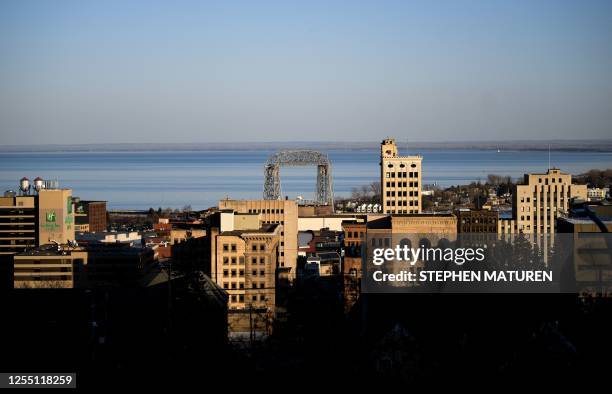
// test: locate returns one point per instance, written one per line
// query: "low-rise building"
(71, 266)
(597, 193)
(89, 215)
(477, 221)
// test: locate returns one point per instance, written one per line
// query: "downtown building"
(32, 220)
(539, 201)
(283, 212)
(400, 180)
(241, 254)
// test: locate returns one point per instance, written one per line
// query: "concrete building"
(400, 180)
(283, 212)
(18, 223)
(354, 232)
(89, 215)
(541, 199)
(332, 222)
(597, 193)
(109, 237)
(56, 216)
(591, 254)
(477, 221)
(99, 265)
(47, 266)
(34, 220)
(244, 263)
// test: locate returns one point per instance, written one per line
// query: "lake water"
(139, 180)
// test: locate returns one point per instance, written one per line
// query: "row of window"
(414, 174)
(552, 180)
(240, 298)
(355, 234)
(404, 193)
(404, 203)
(400, 211)
(267, 211)
(551, 190)
(235, 260)
(402, 184)
(240, 285)
(229, 247)
(479, 221)
(240, 273)
(402, 165)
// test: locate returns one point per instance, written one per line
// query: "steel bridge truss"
(298, 158)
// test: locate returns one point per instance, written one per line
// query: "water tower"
(39, 184)
(24, 186)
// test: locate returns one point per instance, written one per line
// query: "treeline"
(595, 178)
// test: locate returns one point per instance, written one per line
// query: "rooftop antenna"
(549, 156)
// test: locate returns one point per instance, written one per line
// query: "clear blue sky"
(128, 71)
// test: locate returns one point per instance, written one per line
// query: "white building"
(596, 193)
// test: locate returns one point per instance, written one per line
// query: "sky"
(195, 71)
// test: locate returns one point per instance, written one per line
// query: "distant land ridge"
(523, 145)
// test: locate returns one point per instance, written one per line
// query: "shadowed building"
(89, 216)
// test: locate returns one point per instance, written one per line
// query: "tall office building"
(539, 201)
(18, 224)
(56, 216)
(33, 220)
(400, 180)
(284, 212)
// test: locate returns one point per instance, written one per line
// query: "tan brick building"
(283, 212)
(46, 267)
(400, 180)
(34, 220)
(539, 200)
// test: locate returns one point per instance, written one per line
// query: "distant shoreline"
(596, 146)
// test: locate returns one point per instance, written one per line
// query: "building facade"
(400, 180)
(283, 212)
(90, 215)
(597, 193)
(18, 224)
(477, 221)
(46, 267)
(541, 199)
(33, 220)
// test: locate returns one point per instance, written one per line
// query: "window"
(225, 260)
(225, 247)
(233, 247)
